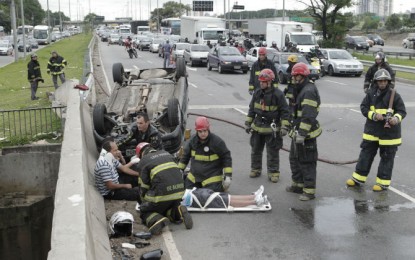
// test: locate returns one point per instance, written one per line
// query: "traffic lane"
(6, 60)
(334, 226)
(390, 48)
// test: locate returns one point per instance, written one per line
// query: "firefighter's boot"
(352, 183)
(378, 188)
(274, 177)
(255, 173)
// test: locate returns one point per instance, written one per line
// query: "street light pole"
(60, 16)
(13, 18)
(158, 17)
(48, 22)
(23, 28)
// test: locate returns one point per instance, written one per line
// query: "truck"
(286, 33)
(200, 29)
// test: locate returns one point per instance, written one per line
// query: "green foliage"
(33, 13)
(169, 9)
(393, 23)
(370, 23)
(407, 21)
(55, 18)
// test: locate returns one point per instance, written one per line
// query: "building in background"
(381, 8)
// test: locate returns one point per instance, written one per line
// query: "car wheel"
(173, 112)
(405, 46)
(98, 118)
(220, 70)
(358, 75)
(159, 54)
(331, 71)
(118, 73)
(281, 77)
(208, 66)
(245, 71)
(180, 68)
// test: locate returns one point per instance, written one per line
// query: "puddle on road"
(337, 216)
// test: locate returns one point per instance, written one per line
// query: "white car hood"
(199, 54)
(346, 62)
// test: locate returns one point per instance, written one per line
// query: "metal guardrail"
(394, 67)
(28, 123)
(396, 54)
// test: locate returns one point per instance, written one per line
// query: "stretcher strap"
(209, 200)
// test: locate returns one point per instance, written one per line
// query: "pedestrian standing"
(56, 66)
(166, 52)
(384, 110)
(268, 121)
(34, 75)
(262, 63)
(305, 130)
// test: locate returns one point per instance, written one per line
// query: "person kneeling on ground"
(162, 189)
(107, 179)
(207, 198)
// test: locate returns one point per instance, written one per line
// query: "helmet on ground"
(266, 75)
(201, 123)
(382, 74)
(262, 51)
(300, 69)
(121, 223)
(293, 58)
(140, 148)
(380, 56)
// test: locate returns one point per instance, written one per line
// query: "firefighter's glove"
(248, 127)
(299, 139)
(226, 183)
(366, 87)
(283, 131)
(393, 120)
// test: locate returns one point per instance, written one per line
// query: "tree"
(327, 15)
(170, 9)
(32, 11)
(370, 23)
(407, 21)
(393, 23)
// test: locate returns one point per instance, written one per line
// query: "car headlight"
(359, 44)
(340, 66)
(360, 66)
(244, 62)
(226, 62)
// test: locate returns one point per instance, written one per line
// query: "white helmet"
(121, 224)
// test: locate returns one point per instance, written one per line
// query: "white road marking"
(193, 85)
(354, 110)
(189, 68)
(217, 106)
(240, 111)
(171, 245)
(339, 83)
(105, 74)
(150, 62)
(406, 196)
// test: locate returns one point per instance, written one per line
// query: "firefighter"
(210, 159)
(304, 133)
(382, 131)
(161, 189)
(144, 131)
(262, 63)
(380, 63)
(267, 120)
(56, 65)
(290, 89)
(274, 45)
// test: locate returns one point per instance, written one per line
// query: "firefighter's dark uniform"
(377, 136)
(209, 161)
(303, 157)
(267, 106)
(257, 67)
(162, 187)
(151, 136)
(372, 70)
(56, 65)
(290, 90)
(34, 76)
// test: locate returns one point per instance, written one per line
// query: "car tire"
(220, 70)
(405, 46)
(208, 66)
(245, 71)
(330, 71)
(118, 73)
(281, 78)
(180, 68)
(173, 112)
(98, 118)
(358, 75)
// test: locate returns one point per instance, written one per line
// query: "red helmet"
(266, 75)
(202, 123)
(262, 51)
(139, 148)
(300, 69)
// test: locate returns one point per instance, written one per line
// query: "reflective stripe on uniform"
(142, 185)
(296, 184)
(315, 133)
(369, 137)
(305, 126)
(249, 119)
(205, 158)
(149, 218)
(381, 111)
(227, 170)
(251, 87)
(399, 117)
(257, 73)
(182, 166)
(162, 167)
(385, 142)
(262, 129)
(359, 177)
(211, 180)
(309, 191)
(191, 177)
(170, 197)
(383, 182)
(289, 95)
(370, 115)
(275, 85)
(309, 102)
(265, 108)
(285, 122)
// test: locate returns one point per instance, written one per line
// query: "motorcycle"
(132, 52)
(316, 63)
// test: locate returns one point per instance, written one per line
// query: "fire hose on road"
(283, 148)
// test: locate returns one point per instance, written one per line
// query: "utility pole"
(158, 18)
(60, 16)
(48, 22)
(23, 28)
(13, 18)
(70, 18)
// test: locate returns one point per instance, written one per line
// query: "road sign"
(238, 7)
(204, 6)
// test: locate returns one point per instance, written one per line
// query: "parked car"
(113, 39)
(409, 42)
(226, 58)
(144, 44)
(6, 48)
(20, 47)
(178, 49)
(196, 54)
(252, 55)
(376, 39)
(161, 93)
(154, 46)
(280, 60)
(341, 62)
(356, 43)
(369, 41)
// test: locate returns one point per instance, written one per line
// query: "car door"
(213, 57)
(187, 53)
(252, 57)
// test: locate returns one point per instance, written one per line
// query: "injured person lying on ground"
(203, 199)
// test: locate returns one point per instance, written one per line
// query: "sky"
(131, 8)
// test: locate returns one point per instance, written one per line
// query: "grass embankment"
(395, 61)
(14, 86)
(20, 128)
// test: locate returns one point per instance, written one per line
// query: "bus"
(41, 34)
(170, 26)
(27, 28)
